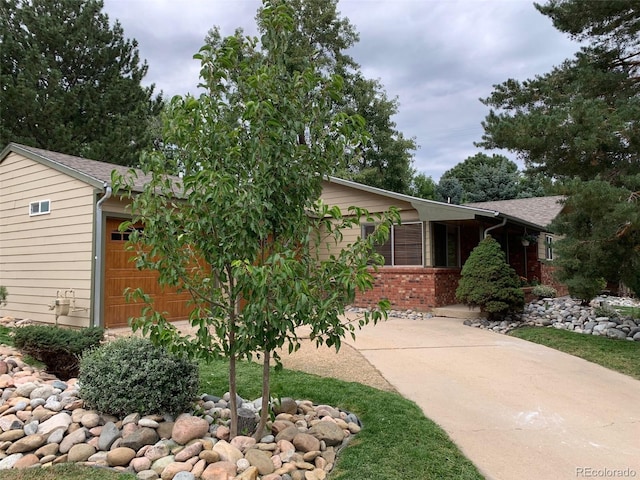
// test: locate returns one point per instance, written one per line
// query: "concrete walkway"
(516, 409)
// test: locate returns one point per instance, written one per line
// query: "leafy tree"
(386, 156)
(450, 190)
(71, 82)
(602, 244)
(242, 229)
(423, 187)
(488, 281)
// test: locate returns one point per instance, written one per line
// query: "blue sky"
(437, 56)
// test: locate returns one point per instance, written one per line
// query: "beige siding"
(40, 255)
(344, 197)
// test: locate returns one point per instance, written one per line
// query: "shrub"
(58, 348)
(544, 291)
(489, 282)
(585, 288)
(131, 375)
(605, 310)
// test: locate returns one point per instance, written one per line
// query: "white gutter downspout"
(97, 284)
(504, 222)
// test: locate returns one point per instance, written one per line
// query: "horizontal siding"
(40, 255)
(344, 197)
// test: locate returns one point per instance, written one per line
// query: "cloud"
(437, 56)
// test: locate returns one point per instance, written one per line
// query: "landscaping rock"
(564, 313)
(42, 431)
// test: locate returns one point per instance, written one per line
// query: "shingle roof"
(92, 172)
(538, 210)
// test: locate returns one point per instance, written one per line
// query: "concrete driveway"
(516, 409)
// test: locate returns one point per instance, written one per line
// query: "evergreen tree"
(581, 121)
(602, 244)
(71, 82)
(489, 282)
(450, 190)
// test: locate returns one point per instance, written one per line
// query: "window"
(41, 207)
(446, 250)
(404, 247)
(118, 236)
(548, 242)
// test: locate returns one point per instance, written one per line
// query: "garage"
(121, 272)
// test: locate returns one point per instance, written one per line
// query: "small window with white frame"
(41, 207)
(548, 247)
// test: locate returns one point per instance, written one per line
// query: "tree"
(423, 187)
(386, 156)
(71, 82)
(242, 229)
(581, 119)
(488, 281)
(581, 122)
(450, 190)
(602, 228)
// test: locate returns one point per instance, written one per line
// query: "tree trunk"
(266, 397)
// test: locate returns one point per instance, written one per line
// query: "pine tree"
(488, 281)
(71, 82)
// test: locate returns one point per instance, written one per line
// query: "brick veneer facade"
(547, 277)
(414, 288)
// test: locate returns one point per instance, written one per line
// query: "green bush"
(544, 291)
(489, 282)
(606, 311)
(585, 288)
(131, 375)
(58, 348)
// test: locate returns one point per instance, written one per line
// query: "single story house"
(60, 242)
(425, 254)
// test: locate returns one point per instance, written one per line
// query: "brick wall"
(412, 288)
(547, 277)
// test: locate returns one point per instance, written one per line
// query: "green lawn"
(620, 355)
(65, 471)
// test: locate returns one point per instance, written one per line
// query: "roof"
(538, 210)
(93, 172)
(447, 211)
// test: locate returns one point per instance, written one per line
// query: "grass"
(68, 471)
(633, 312)
(397, 440)
(5, 337)
(620, 355)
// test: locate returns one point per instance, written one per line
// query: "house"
(425, 254)
(60, 242)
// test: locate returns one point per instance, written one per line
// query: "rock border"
(43, 422)
(565, 313)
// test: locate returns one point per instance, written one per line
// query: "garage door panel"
(121, 273)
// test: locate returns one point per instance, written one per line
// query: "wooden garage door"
(121, 272)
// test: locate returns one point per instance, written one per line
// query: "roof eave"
(83, 177)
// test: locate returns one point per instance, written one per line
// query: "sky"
(437, 57)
